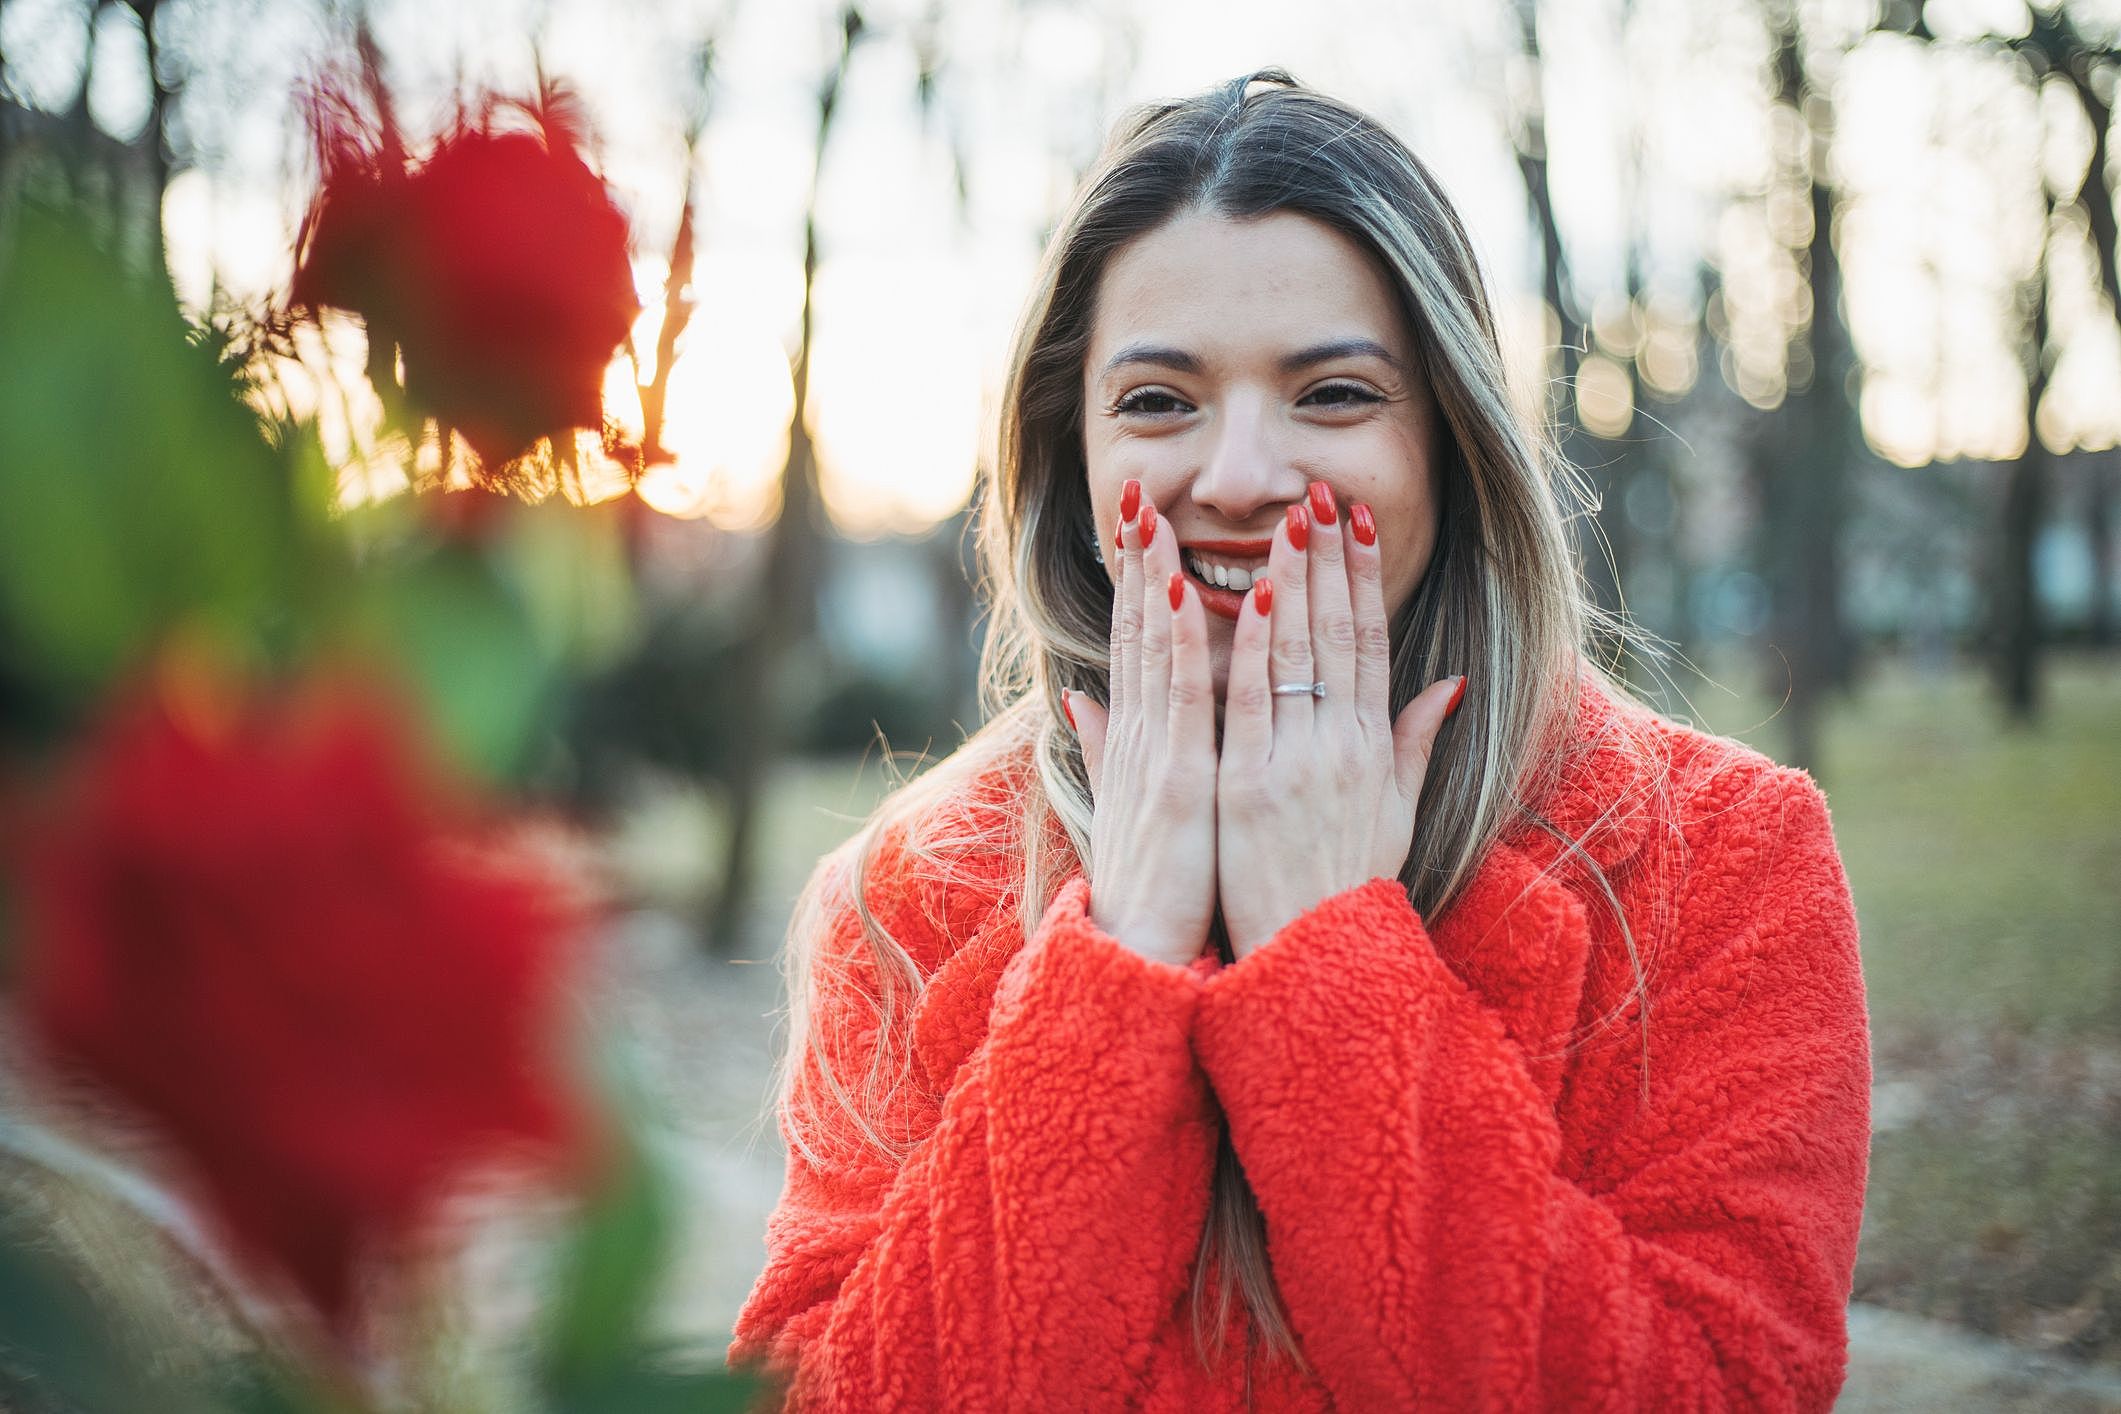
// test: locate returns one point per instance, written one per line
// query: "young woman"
(1316, 986)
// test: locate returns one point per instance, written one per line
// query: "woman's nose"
(1245, 469)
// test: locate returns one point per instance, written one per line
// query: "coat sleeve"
(1429, 1249)
(1045, 1220)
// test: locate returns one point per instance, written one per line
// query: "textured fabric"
(1484, 1187)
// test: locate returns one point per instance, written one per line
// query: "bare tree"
(1529, 137)
(2053, 44)
(785, 612)
(1802, 465)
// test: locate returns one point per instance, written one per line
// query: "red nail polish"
(1457, 695)
(1178, 589)
(1148, 525)
(1069, 708)
(1322, 503)
(1117, 531)
(1263, 594)
(1130, 499)
(1363, 524)
(1299, 527)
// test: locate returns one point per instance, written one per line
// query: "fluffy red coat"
(1475, 1198)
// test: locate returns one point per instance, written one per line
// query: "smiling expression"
(1231, 364)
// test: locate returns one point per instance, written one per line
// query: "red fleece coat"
(1474, 1198)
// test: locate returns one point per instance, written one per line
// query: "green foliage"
(135, 490)
(646, 1389)
(462, 639)
(597, 1357)
(142, 503)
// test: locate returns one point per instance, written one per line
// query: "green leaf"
(568, 566)
(642, 1389)
(611, 1272)
(136, 492)
(597, 1357)
(259, 1385)
(467, 648)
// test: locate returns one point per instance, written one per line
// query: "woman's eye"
(1345, 395)
(1146, 401)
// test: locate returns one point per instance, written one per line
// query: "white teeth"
(1222, 576)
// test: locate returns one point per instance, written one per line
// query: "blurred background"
(1823, 298)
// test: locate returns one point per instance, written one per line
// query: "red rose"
(271, 934)
(498, 266)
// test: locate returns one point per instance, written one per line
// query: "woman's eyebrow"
(1164, 356)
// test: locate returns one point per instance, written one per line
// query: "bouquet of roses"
(272, 890)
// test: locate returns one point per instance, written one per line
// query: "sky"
(1660, 136)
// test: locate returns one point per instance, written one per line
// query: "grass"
(1985, 859)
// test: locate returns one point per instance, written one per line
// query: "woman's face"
(1233, 363)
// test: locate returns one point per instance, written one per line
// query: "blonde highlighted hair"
(1501, 600)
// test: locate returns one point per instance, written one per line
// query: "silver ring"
(1294, 689)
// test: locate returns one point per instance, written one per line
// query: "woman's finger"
(1373, 635)
(1289, 640)
(1414, 734)
(1248, 710)
(1159, 562)
(1192, 722)
(1125, 688)
(1088, 719)
(1332, 608)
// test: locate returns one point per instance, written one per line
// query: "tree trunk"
(2099, 515)
(1803, 478)
(1594, 552)
(2018, 627)
(2018, 630)
(785, 613)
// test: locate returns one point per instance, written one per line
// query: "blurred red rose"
(266, 930)
(498, 266)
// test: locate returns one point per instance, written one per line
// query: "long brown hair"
(1501, 600)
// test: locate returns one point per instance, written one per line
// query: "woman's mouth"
(1224, 577)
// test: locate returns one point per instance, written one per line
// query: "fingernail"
(1069, 708)
(1299, 527)
(1263, 594)
(1322, 502)
(1457, 695)
(1117, 531)
(1363, 524)
(1130, 499)
(1148, 525)
(1178, 588)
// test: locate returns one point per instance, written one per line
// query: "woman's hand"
(1316, 796)
(1151, 753)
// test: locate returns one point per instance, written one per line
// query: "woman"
(1221, 1026)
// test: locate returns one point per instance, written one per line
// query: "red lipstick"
(1224, 603)
(1247, 548)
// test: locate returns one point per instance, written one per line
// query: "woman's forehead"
(1224, 291)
